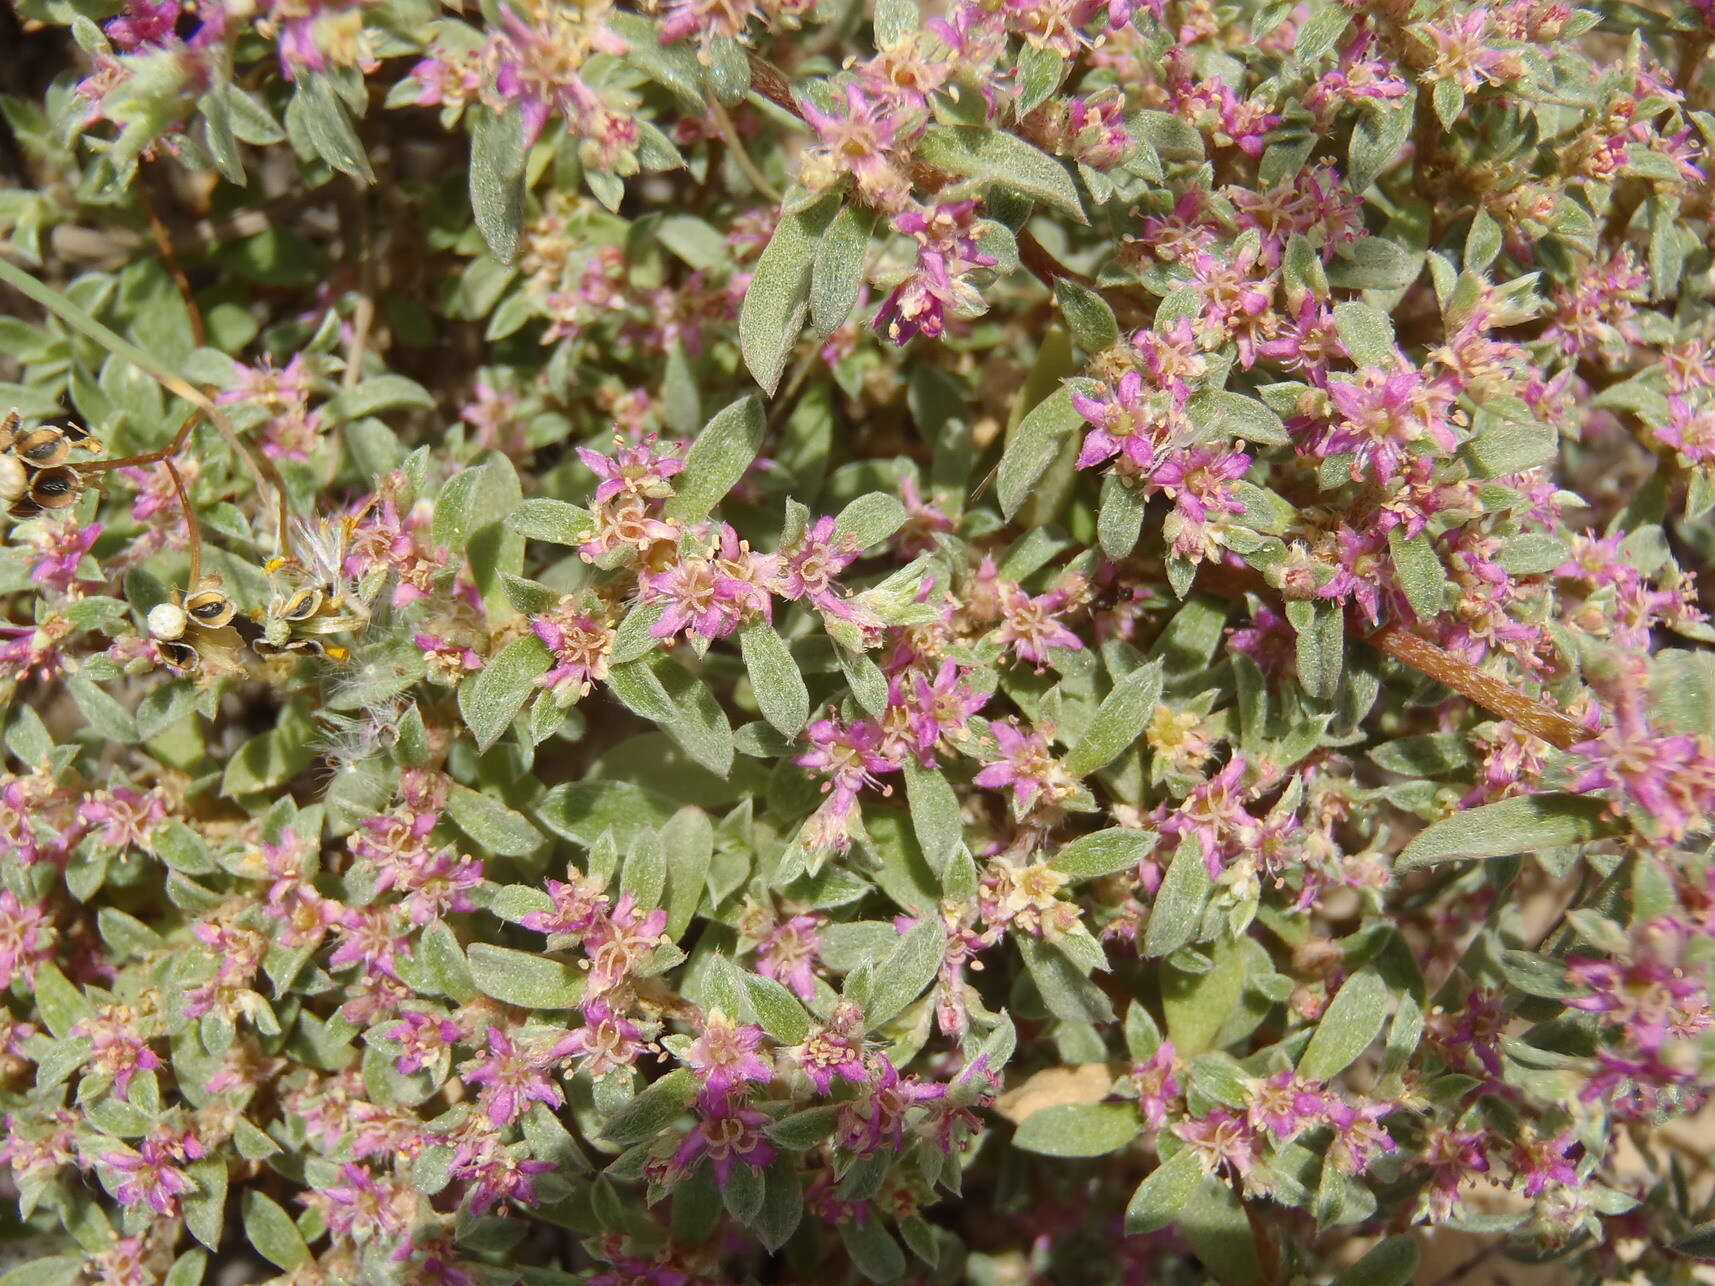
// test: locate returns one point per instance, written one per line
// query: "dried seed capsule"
(44, 448)
(9, 429)
(210, 608)
(56, 488)
(181, 656)
(167, 621)
(302, 605)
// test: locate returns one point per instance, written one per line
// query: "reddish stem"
(1468, 681)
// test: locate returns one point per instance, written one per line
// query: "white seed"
(14, 481)
(167, 621)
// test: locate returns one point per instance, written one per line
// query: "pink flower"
(788, 954)
(620, 941)
(365, 1208)
(151, 1175)
(1156, 1084)
(726, 1133)
(512, 1077)
(1381, 416)
(1031, 626)
(116, 1049)
(809, 567)
(849, 755)
(581, 645)
(1026, 764)
(500, 1174)
(1219, 1141)
(947, 253)
(641, 468)
(26, 937)
(59, 547)
(875, 1120)
(859, 141)
(371, 936)
(834, 1050)
(577, 905)
(725, 1055)
(606, 1042)
(421, 1038)
(125, 817)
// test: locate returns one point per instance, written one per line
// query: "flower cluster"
(1012, 640)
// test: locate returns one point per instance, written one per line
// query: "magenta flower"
(581, 645)
(1027, 765)
(1382, 416)
(788, 954)
(726, 1133)
(365, 1208)
(620, 941)
(808, 569)
(59, 547)
(1157, 1084)
(26, 937)
(1669, 779)
(500, 1174)
(577, 905)
(859, 141)
(834, 1050)
(512, 1077)
(875, 1120)
(422, 1037)
(371, 936)
(124, 817)
(849, 755)
(117, 1049)
(151, 1175)
(725, 1055)
(1031, 626)
(641, 468)
(606, 1042)
(1219, 1141)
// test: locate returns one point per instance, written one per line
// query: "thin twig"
(735, 145)
(169, 258)
(1477, 1260)
(193, 533)
(262, 469)
(1534, 716)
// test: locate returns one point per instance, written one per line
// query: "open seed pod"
(211, 608)
(49, 489)
(43, 448)
(179, 654)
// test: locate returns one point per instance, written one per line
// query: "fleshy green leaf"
(717, 460)
(1163, 1193)
(1347, 1028)
(991, 156)
(774, 678)
(1178, 907)
(1119, 721)
(519, 978)
(778, 295)
(492, 697)
(1091, 856)
(1525, 824)
(1033, 447)
(911, 967)
(1078, 1129)
(271, 1231)
(836, 276)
